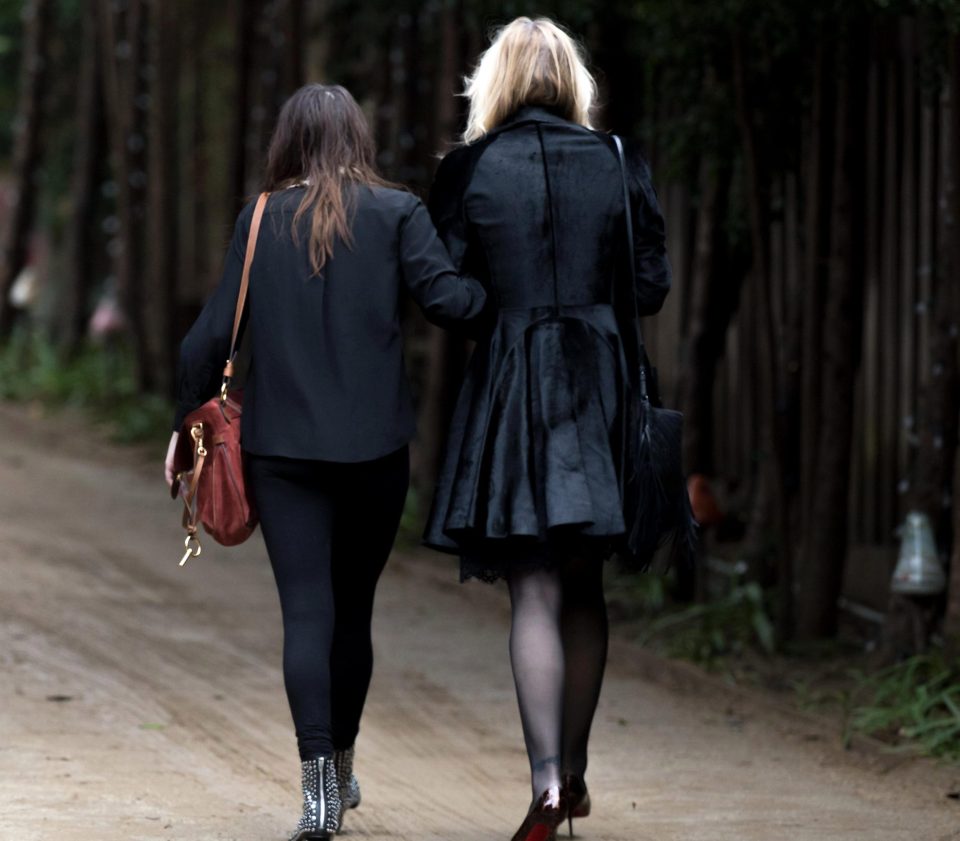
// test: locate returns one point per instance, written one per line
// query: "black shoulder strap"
(632, 263)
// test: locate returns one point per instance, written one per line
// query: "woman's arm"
(446, 206)
(447, 297)
(205, 348)
(168, 463)
(446, 210)
(653, 267)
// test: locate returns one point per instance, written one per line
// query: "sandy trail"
(143, 701)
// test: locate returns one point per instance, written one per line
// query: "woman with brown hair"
(532, 486)
(327, 411)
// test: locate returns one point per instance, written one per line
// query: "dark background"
(807, 155)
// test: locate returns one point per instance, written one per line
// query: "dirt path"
(143, 701)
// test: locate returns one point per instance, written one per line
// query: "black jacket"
(535, 211)
(326, 378)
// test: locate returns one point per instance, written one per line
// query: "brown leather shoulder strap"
(247, 262)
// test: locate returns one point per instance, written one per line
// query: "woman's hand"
(168, 464)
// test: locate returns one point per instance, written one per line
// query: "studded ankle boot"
(346, 781)
(321, 801)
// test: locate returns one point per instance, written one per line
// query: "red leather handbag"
(208, 462)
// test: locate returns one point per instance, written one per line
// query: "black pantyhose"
(558, 648)
(585, 632)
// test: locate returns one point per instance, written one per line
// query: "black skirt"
(534, 459)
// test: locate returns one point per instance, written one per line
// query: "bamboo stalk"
(27, 151)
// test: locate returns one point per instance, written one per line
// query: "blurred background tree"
(807, 156)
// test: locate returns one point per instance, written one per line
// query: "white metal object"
(918, 571)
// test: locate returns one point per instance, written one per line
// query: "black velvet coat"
(326, 378)
(534, 458)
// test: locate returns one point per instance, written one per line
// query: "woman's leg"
(584, 624)
(296, 516)
(369, 506)
(536, 653)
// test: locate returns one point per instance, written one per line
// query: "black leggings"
(329, 528)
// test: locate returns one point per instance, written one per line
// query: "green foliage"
(645, 595)
(808, 697)
(59, 133)
(62, 53)
(706, 633)
(98, 379)
(916, 704)
(947, 10)
(411, 521)
(689, 48)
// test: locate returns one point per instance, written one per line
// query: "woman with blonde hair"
(531, 488)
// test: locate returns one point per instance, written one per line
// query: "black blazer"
(326, 378)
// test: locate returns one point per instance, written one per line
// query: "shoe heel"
(544, 817)
(577, 799)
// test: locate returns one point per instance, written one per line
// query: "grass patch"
(713, 633)
(98, 379)
(709, 632)
(411, 521)
(912, 706)
(915, 705)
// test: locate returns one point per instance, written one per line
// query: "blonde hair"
(530, 62)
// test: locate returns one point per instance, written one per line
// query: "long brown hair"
(323, 142)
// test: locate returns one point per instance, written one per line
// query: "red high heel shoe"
(577, 797)
(544, 817)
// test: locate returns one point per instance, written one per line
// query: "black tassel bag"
(656, 504)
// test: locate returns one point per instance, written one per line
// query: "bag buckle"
(196, 432)
(193, 551)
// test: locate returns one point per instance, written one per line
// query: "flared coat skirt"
(533, 466)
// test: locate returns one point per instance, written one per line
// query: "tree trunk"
(939, 403)
(194, 176)
(293, 45)
(316, 52)
(816, 224)
(888, 345)
(951, 622)
(769, 521)
(818, 192)
(951, 211)
(821, 570)
(278, 60)
(444, 357)
(162, 195)
(34, 71)
(872, 528)
(791, 401)
(80, 249)
(714, 291)
(245, 19)
(122, 51)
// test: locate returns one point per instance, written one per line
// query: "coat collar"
(533, 114)
(527, 115)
